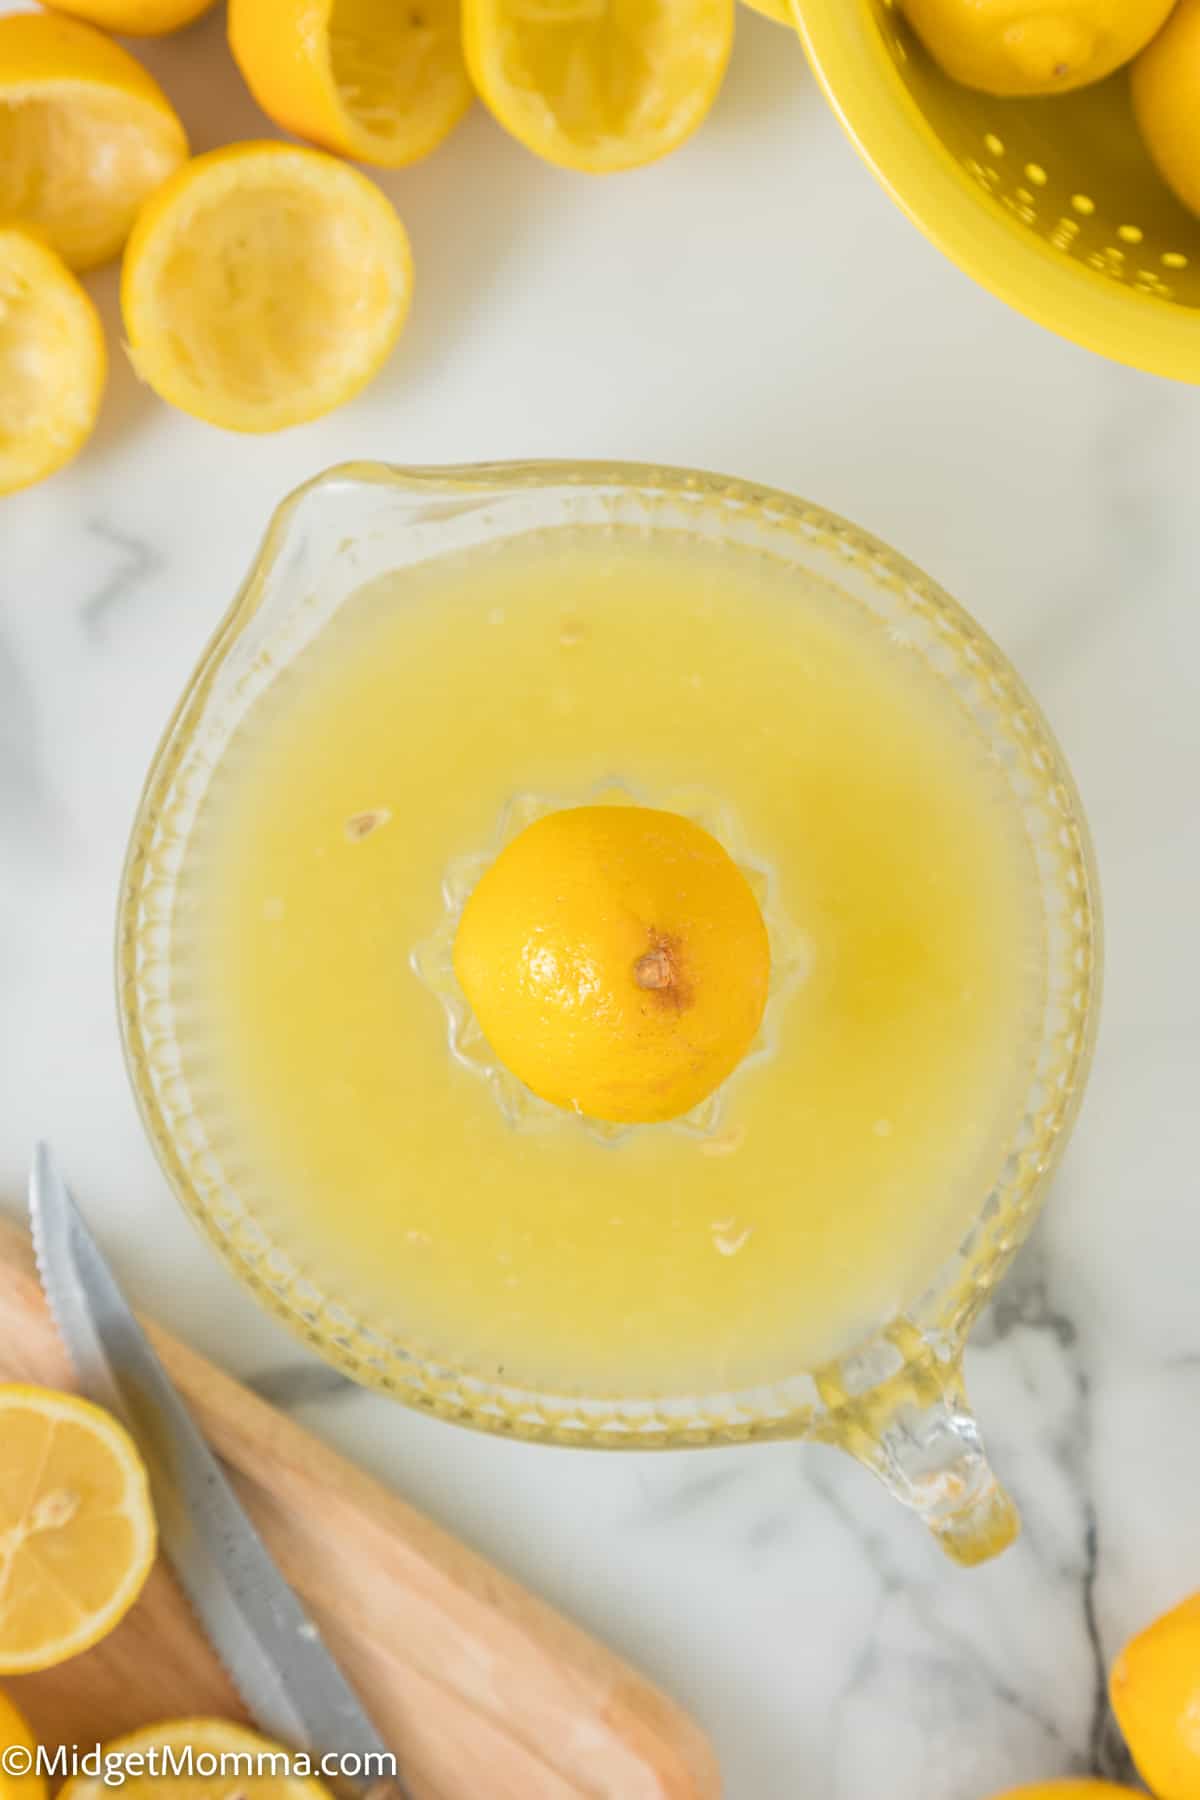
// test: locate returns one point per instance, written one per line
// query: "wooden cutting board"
(483, 1691)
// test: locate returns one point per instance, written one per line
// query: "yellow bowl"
(1053, 203)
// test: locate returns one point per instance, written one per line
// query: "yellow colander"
(1052, 203)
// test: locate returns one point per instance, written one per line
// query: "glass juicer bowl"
(896, 1401)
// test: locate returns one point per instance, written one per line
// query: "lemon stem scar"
(654, 970)
(660, 973)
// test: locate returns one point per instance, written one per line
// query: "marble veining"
(20, 761)
(293, 1385)
(134, 563)
(755, 305)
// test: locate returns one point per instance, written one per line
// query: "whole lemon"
(616, 961)
(1166, 100)
(1155, 1689)
(1034, 46)
(16, 1735)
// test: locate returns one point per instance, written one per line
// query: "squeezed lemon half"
(598, 85)
(85, 135)
(370, 79)
(264, 285)
(52, 362)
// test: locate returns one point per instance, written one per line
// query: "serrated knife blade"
(271, 1648)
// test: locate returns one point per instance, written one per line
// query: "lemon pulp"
(76, 1526)
(75, 166)
(599, 85)
(381, 83)
(264, 285)
(86, 135)
(847, 1161)
(391, 71)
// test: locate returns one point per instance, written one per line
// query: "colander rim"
(886, 126)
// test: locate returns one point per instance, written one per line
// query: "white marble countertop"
(754, 305)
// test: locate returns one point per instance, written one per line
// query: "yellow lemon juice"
(852, 1146)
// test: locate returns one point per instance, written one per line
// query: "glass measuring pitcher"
(895, 1400)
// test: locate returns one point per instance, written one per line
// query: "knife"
(271, 1648)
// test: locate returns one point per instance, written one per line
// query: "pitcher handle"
(920, 1437)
